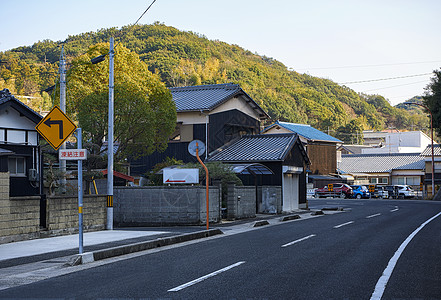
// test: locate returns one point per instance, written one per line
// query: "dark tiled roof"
(6, 96)
(381, 163)
(208, 97)
(428, 150)
(307, 131)
(255, 148)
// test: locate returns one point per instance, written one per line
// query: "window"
(383, 180)
(374, 180)
(17, 166)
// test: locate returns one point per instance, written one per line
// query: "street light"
(96, 60)
(431, 132)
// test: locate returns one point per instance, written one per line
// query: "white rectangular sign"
(181, 176)
(73, 154)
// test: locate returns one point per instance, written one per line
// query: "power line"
(389, 87)
(369, 66)
(382, 79)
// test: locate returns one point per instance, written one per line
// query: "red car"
(339, 190)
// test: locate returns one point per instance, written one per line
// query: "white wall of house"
(237, 103)
(16, 125)
(402, 142)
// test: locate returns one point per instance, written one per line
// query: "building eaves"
(7, 99)
(307, 131)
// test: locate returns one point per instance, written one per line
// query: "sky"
(346, 41)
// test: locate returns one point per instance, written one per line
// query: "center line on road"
(344, 224)
(299, 240)
(185, 285)
(395, 209)
(373, 216)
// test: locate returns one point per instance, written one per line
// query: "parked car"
(339, 190)
(392, 191)
(380, 192)
(405, 191)
(360, 191)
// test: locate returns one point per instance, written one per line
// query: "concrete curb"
(291, 217)
(261, 223)
(89, 257)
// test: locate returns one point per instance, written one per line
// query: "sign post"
(79, 155)
(195, 148)
(56, 128)
(371, 190)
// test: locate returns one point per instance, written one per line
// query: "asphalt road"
(338, 256)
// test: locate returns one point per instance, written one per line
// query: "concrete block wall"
(62, 213)
(164, 205)
(246, 204)
(19, 216)
(270, 199)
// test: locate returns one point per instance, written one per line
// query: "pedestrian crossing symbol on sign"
(56, 127)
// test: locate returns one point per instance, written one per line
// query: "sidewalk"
(121, 240)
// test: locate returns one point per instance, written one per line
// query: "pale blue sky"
(342, 40)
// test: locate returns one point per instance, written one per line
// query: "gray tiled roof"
(436, 150)
(208, 97)
(381, 163)
(253, 148)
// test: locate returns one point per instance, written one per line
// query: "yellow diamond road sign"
(56, 127)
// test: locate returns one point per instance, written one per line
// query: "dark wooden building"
(214, 114)
(283, 154)
(321, 147)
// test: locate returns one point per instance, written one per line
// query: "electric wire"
(369, 66)
(382, 79)
(389, 87)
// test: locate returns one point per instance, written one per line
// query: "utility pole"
(62, 70)
(110, 142)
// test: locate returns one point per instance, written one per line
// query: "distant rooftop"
(257, 148)
(208, 97)
(306, 131)
(380, 163)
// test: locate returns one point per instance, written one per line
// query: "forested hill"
(185, 58)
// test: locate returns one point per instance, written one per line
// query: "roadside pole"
(110, 141)
(80, 192)
(206, 184)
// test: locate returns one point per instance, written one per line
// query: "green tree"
(145, 114)
(432, 99)
(352, 132)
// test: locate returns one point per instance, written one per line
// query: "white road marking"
(185, 285)
(299, 240)
(395, 209)
(373, 216)
(382, 282)
(344, 224)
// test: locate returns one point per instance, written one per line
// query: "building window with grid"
(17, 166)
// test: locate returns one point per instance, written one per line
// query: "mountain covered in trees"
(182, 58)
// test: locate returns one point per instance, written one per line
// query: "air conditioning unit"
(33, 175)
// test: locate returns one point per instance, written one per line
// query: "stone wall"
(62, 214)
(20, 216)
(164, 205)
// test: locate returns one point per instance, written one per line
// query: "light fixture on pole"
(431, 137)
(96, 60)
